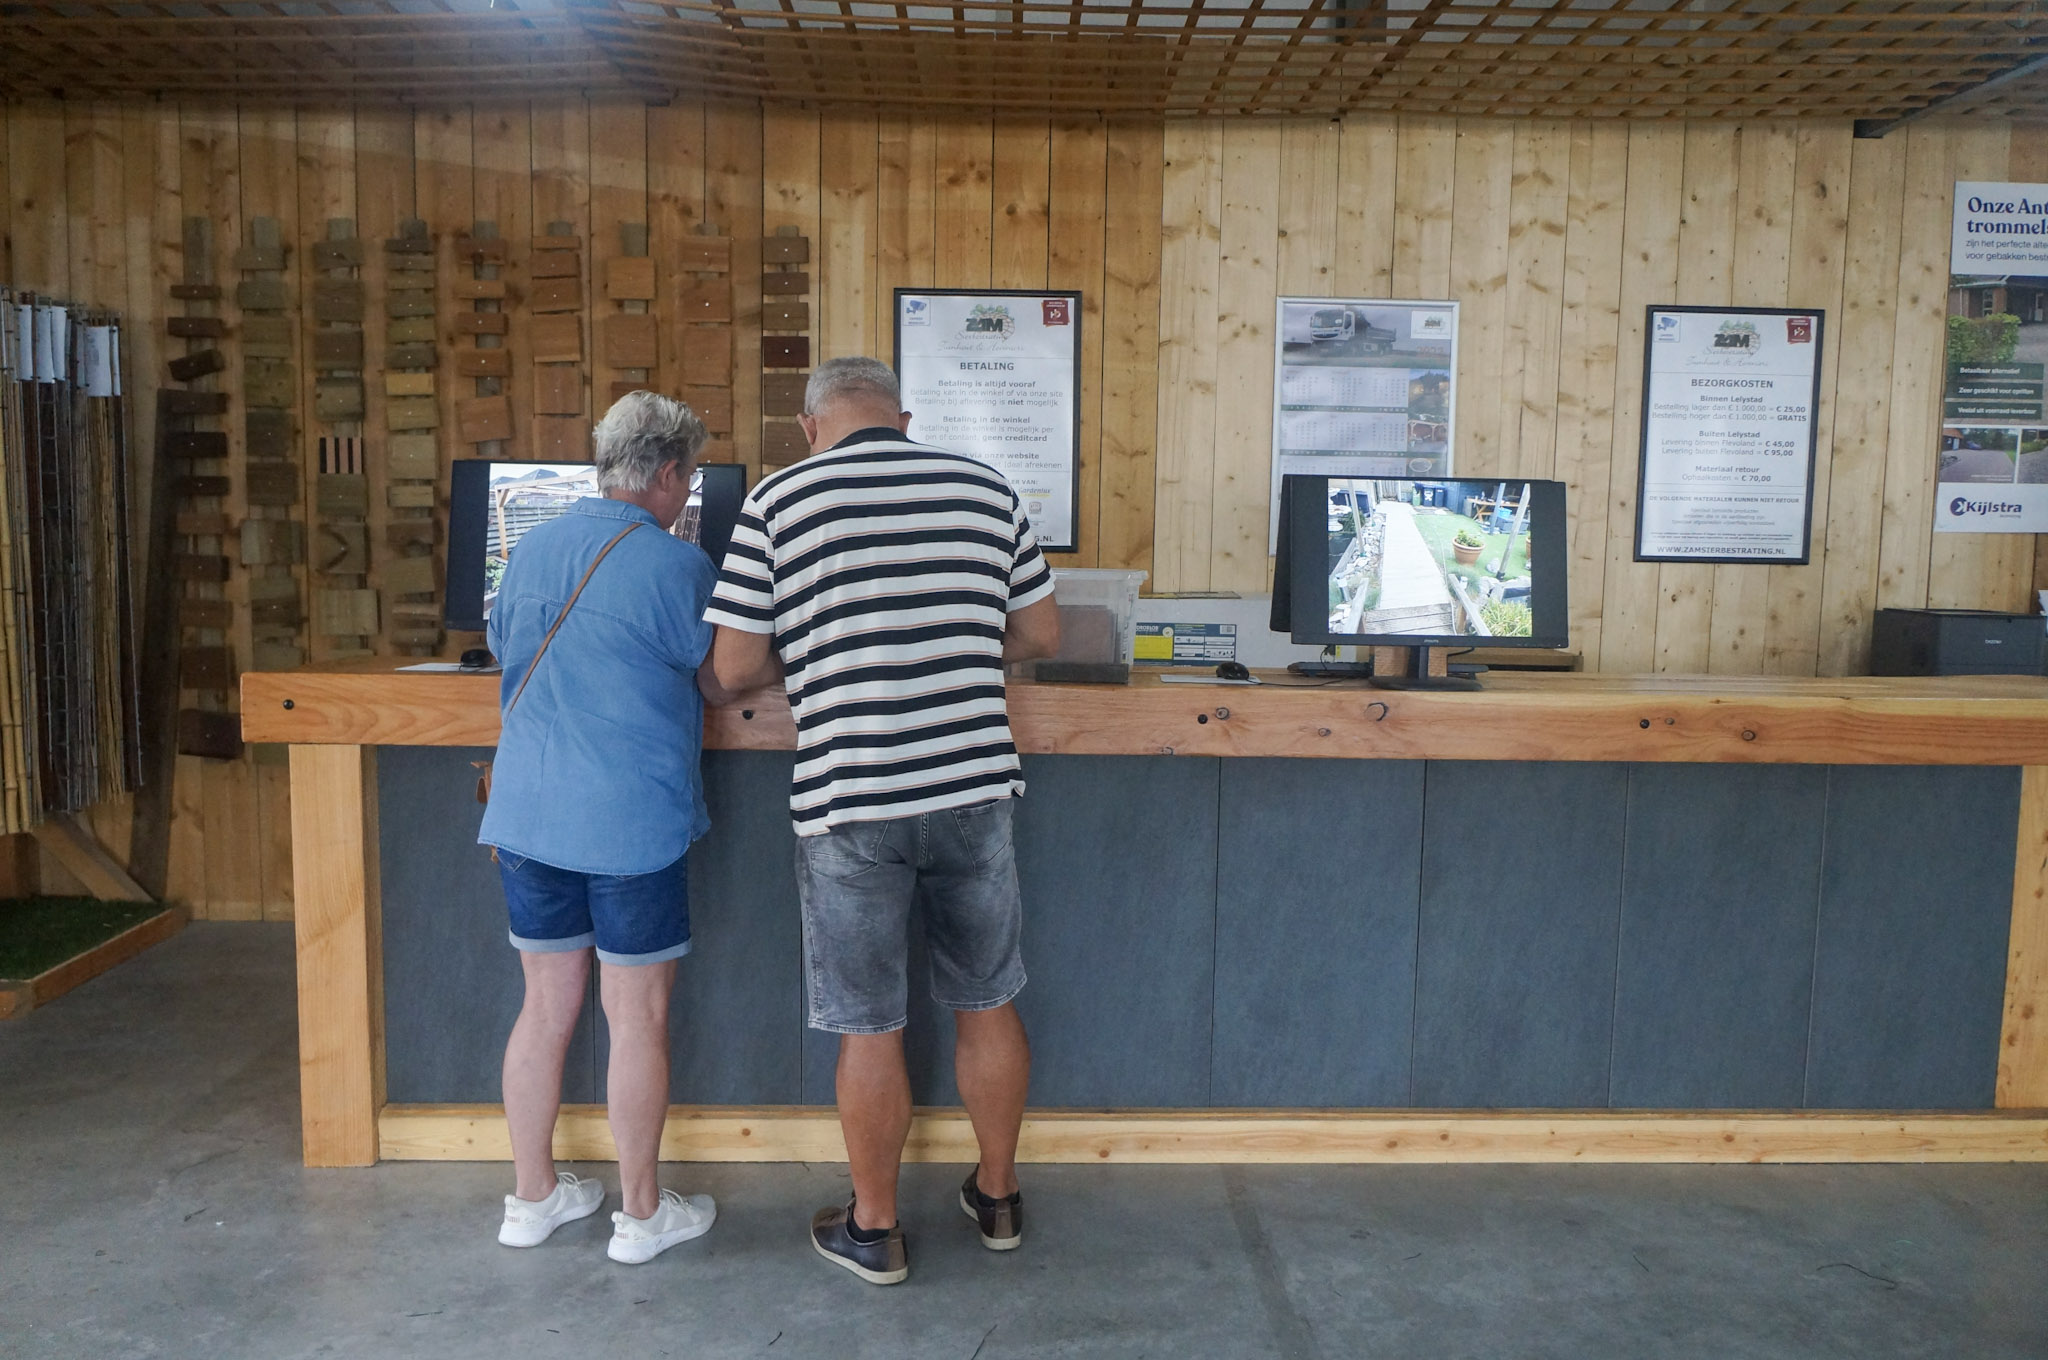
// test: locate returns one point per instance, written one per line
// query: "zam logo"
(1962, 505)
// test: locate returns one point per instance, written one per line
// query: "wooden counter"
(335, 718)
(1980, 720)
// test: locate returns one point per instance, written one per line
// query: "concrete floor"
(157, 1209)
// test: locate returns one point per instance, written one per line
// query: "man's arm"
(1030, 632)
(739, 661)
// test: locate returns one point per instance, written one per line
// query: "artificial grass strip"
(38, 933)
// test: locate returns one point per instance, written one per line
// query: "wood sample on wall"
(629, 338)
(704, 313)
(408, 604)
(340, 552)
(785, 356)
(556, 338)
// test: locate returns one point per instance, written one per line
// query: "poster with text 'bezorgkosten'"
(997, 376)
(1993, 461)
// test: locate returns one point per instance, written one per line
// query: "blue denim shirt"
(597, 768)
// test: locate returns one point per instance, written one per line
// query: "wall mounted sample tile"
(272, 483)
(208, 567)
(556, 339)
(707, 355)
(409, 302)
(178, 402)
(408, 384)
(202, 523)
(281, 612)
(1316, 936)
(345, 613)
(272, 542)
(191, 367)
(339, 348)
(271, 654)
(473, 290)
(414, 330)
(335, 254)
(409, 575)
(713, 406)
(555, 295)
(784, 281)
(341, 549)
(197, 613)
(785, 249)
(196, 444)
(482, 249)
(558, 389)
(478, 419)
(629, 278)
(451, 987)
(785, 351)
(268, 432)
(211, 736)
(1514, 996)
(785, 314)
(409, 496)
(555, 264)
(1719, 890)
(338, 399)
(267, 337)
(337, 300)
(1915, 919)
(206, 668)
(407, 534)
(482, 323)
(342, 495)
(414, 457)
(629, 340)
(262, 295)
(413, 354)
(556, 437)
(195, 327)
(201, 486)
(704, 254)
(622, 387)
(701, 300)
(483, 363)
(412, 413)
(783, 440)
(269, 382)
(782, 394)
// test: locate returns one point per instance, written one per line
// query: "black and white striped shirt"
(886, 571)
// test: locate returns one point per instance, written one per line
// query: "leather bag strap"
(563, 616)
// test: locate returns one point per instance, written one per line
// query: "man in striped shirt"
(891, 581)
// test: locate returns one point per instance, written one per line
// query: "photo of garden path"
(1409, 570)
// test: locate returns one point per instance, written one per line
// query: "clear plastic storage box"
(1098, 620)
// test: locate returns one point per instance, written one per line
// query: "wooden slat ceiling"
(1873, 59)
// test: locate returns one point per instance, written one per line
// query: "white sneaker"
(676, 1218)
(529, 1221)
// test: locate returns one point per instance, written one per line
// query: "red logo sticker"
(1798, 330)
(1055, 311)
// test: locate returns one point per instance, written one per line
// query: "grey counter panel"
(1521, 897)
(1915, 918)
(1719, 890)
(1316, 917)
(1494, 935)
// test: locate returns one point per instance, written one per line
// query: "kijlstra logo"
(1963, 505)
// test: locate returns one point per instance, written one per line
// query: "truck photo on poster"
(1363, 387)
(1730, 401)
(1993, 462)
(996, 375)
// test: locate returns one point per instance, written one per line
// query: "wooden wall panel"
(1554, 236)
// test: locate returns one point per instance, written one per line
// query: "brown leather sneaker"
(883, 1262)
(1001, 1223)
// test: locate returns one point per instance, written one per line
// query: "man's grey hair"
(859, 378)
(640, 435)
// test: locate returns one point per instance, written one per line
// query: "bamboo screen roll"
(68, 665)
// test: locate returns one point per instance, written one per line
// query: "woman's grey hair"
(641, 434)
(860, 378)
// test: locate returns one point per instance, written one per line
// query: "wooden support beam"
(67, 841)
(335, 880)
(808, 1134)
(2023, 1038)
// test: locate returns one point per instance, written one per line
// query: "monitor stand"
(1421, 677)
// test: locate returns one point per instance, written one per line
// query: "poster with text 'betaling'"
(1730, 400)
(997, 376)
(1992, 466)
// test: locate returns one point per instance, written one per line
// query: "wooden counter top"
(1965, 720)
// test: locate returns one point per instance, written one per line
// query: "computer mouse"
(1233, 670)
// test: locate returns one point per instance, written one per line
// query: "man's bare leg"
(533, 1063)
(992, 1063)
(874, 1115)
(636, 1009)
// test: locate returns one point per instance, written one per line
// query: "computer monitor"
(1422, 563)
(492, 505)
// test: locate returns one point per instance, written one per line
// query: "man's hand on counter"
(739, 662)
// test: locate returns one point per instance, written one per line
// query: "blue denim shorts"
(855, 884)
(631, 918)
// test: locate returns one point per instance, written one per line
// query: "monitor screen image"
(493, 505)
(1443, 561)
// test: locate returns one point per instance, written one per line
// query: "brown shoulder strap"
(565, 613)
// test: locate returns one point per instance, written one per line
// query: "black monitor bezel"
(1308, 572)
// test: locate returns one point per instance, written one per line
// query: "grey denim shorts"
(856, 883)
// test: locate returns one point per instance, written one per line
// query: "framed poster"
(996, 375)
(1993, 462)
(1362, 387)
(1731, 397)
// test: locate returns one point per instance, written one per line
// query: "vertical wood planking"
(153, 227)
(1649, 275)
(675, 205)
(847, 264)
(561, 193)
(386, 195)
(1189, 244)
(1538, 200)
(732, 197)
(444, 149)
(1240, 488)
(1921, 287)
(1077, 174)
(1706, 248)
(2022, 1081)
(1479, 269)
(1862, 412)
(1020, 177)
(962, 202)
(618, 194)
(1588, 331)
(1425, 178)
(1310, 158)
(502, 135)
(36, 202)
(1820, 229)
(1135, 156)
(1367, 155)
(1762, 262)
(95, 260)
(892, 229)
